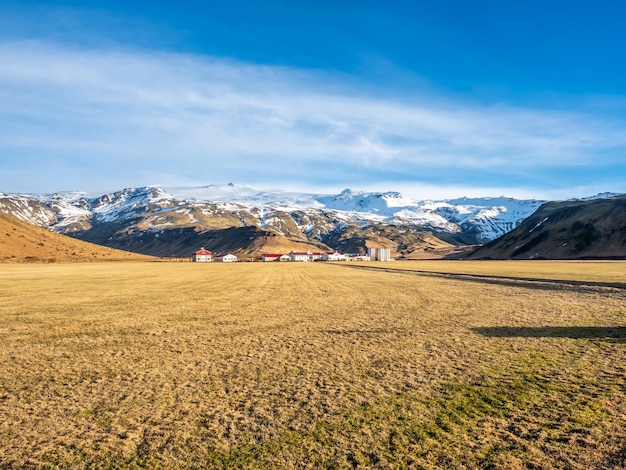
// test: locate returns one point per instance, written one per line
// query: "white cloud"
(119, 112)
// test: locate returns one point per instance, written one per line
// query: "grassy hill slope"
(23, 242)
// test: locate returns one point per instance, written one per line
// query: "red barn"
(202, 256)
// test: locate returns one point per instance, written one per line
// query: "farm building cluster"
(373, 254)
(205, 256)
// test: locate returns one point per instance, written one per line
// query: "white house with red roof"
(275, 257)
(202, 256)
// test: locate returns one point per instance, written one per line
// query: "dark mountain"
(578, 229)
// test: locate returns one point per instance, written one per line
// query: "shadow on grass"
(525, 282)
(608, 333)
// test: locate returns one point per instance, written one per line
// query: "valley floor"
(586, 273)
(296, 365)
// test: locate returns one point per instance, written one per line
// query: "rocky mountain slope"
(593, 228)
(21, 242)
(173, 221)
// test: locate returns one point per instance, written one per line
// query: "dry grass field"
(584, 271)
(185, 365)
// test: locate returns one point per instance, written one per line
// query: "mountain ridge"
(575, 229)
(349, 220)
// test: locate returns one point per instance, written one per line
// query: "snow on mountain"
(492, 216)
(488, 217)
(243, 196)
(597, 196)
(28, 208)
(128, 203)
(282, 211)
(383, 203)
(495, 215)
(71, 208)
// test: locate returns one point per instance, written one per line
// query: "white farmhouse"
(226, 258)
(334, 256)
(299, 255)
(306, 256)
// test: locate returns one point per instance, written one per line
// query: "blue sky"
(435, 99)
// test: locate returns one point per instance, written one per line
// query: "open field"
(585, 271)
(286, 365)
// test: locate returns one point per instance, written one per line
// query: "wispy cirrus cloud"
(142, 117)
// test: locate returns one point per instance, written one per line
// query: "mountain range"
(171, 221)
(174, 221)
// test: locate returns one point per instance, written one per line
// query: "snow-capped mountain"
(484, 218)
(492, 216)
(131, 216)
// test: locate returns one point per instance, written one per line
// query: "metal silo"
(384, 254)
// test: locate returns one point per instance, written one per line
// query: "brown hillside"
(252, 242)
(244, 242)
(23, 242)
(405, 241)
(565, 230)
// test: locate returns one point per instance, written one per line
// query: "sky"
(435, 99)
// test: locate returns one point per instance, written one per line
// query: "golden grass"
(592, 271)
(279, 365)
(21, 242)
